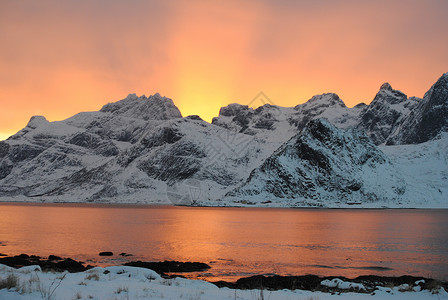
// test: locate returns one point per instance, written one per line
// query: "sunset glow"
(60, 58)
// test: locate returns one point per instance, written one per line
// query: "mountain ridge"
(142, 150)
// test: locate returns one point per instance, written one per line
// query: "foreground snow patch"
(121, 282)
(343, 285)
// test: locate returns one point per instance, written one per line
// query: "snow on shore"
(119, 282)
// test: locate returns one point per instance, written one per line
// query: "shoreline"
(176, 269)
(169, 205)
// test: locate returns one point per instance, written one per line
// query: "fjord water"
(236, 242)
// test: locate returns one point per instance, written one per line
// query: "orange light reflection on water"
(235, 242)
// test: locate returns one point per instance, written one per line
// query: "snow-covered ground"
(121, 282)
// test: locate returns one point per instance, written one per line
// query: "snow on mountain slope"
(424, 168)
(164, 166)
(323, 166)
(169, 165)
(46, 152)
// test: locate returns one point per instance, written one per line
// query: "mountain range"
(390, 153)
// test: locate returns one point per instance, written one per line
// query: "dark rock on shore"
(276, 282)
(54, 257)
(53, 263)
(106, 253)
(313, 283)
(429, 284)
(170, 266)
(68, 264)
(125, 254)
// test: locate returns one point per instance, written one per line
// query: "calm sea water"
(236, 242)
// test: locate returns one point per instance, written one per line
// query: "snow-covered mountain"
(320, 153)
(321, 166)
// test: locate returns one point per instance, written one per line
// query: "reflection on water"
(236, 242)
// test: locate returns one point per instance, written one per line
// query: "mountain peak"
(132, 97)
(36, 121)
(386, 86)
(441, 84)
(155, 107)
(389, 95)
(233, 109)
(327, 100)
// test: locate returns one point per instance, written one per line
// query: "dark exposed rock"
(54, 264)
(234, 109)
(241, 116)
(166, 135)
(93, 142)
(4, 149)
(85, 139)
(68, 264)
(313, 156)
(385, 113)
(428, 119)
(107, 148)
(125, 254)
(5, 168)
(265, 124)
(313, 283)
(106, 253)
(180, 162)
(24, 152)
(54, 257)
(307, 282)
(170, 266)
(194, 117)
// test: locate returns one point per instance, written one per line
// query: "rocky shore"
(52, 263)
(169, 269)
(59, 264)
(334, 284)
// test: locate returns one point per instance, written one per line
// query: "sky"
(58, 58)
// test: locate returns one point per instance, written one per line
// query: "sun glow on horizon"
(4, 136)
(59, 60)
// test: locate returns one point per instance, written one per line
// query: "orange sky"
(58, 58)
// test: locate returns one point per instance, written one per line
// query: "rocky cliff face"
(386, 113)
(320, 166)
(428, 119)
